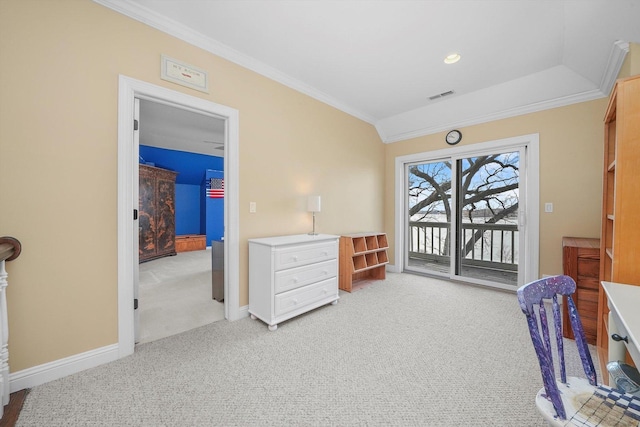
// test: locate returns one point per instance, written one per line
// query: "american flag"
(215, 188)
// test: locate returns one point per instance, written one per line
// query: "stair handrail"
(10, 248)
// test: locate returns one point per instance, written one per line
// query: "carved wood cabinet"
(157, 213)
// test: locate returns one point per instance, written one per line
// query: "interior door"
(136, 241)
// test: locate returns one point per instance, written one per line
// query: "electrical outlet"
(548, 207)
(252, 207)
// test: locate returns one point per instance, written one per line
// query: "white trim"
(243, 312)
(532, 218)
(182, 32)
(60, 368)
(485, 118)
(129, 89)
(176, 29)
(614, 64)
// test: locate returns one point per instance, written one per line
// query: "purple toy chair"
(569, 401)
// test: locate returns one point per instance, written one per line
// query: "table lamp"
(313, 206)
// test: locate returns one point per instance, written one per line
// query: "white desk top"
(625, 300)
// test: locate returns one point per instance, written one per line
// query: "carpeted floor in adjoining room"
(407, 351)
(175, 295)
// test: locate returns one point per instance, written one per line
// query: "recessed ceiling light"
(452, 59)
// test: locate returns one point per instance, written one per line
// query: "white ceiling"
(381, 60)
(173, 128)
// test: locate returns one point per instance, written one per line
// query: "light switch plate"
(252, 207)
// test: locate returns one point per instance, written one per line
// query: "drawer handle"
(295, 258)
(617, 337)
(295, 302)
(325, 272)
(325, 253)
(295, 280)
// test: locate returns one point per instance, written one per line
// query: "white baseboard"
(44, 373)
(241, 313)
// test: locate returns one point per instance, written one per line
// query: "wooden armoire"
(157, 213)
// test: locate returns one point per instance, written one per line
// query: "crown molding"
(484, 118)
(614, 64)
(182, 32)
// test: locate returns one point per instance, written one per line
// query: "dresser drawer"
(290, 257)
(301, 276)
(300, 297)
(632, 347)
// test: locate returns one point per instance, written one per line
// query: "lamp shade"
(313, 204)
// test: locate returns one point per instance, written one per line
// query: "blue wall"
(188, 209)
(195, 213)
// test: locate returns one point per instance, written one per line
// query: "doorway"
(129, 90)
(174, 291)
(470, 213)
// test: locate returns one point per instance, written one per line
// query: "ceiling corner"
(619, 51)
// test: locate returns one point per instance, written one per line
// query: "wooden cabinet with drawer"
(581, 261)
(290, 275)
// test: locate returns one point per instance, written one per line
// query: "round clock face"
(453, 137)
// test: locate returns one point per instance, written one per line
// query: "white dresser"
(290, 275)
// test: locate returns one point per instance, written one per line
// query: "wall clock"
(453, 137)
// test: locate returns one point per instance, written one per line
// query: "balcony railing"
(488, 247)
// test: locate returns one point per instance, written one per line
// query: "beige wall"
(571, 150)
(58, 164)
(570, 170)
(631, 65)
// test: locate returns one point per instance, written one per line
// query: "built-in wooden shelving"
(620, 235)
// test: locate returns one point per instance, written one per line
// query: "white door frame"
(529, 216)
(128, 90)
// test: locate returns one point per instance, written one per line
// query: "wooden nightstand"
(581, 261)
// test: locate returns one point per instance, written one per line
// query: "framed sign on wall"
(184, 74)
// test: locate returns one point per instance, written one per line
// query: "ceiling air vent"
(217, 145)
(440, 95)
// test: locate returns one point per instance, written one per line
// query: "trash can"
(217, 270)
(625, 377)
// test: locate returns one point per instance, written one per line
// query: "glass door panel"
(487, 217)
(429, 218)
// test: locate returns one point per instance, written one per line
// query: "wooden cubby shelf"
(363, 258)
(619, 256)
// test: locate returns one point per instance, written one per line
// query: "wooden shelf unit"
(620, 235)
(363, 258)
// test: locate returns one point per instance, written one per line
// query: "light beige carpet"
(175, 295)
(407, 351)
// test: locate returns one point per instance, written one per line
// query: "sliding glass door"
(465, 215)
